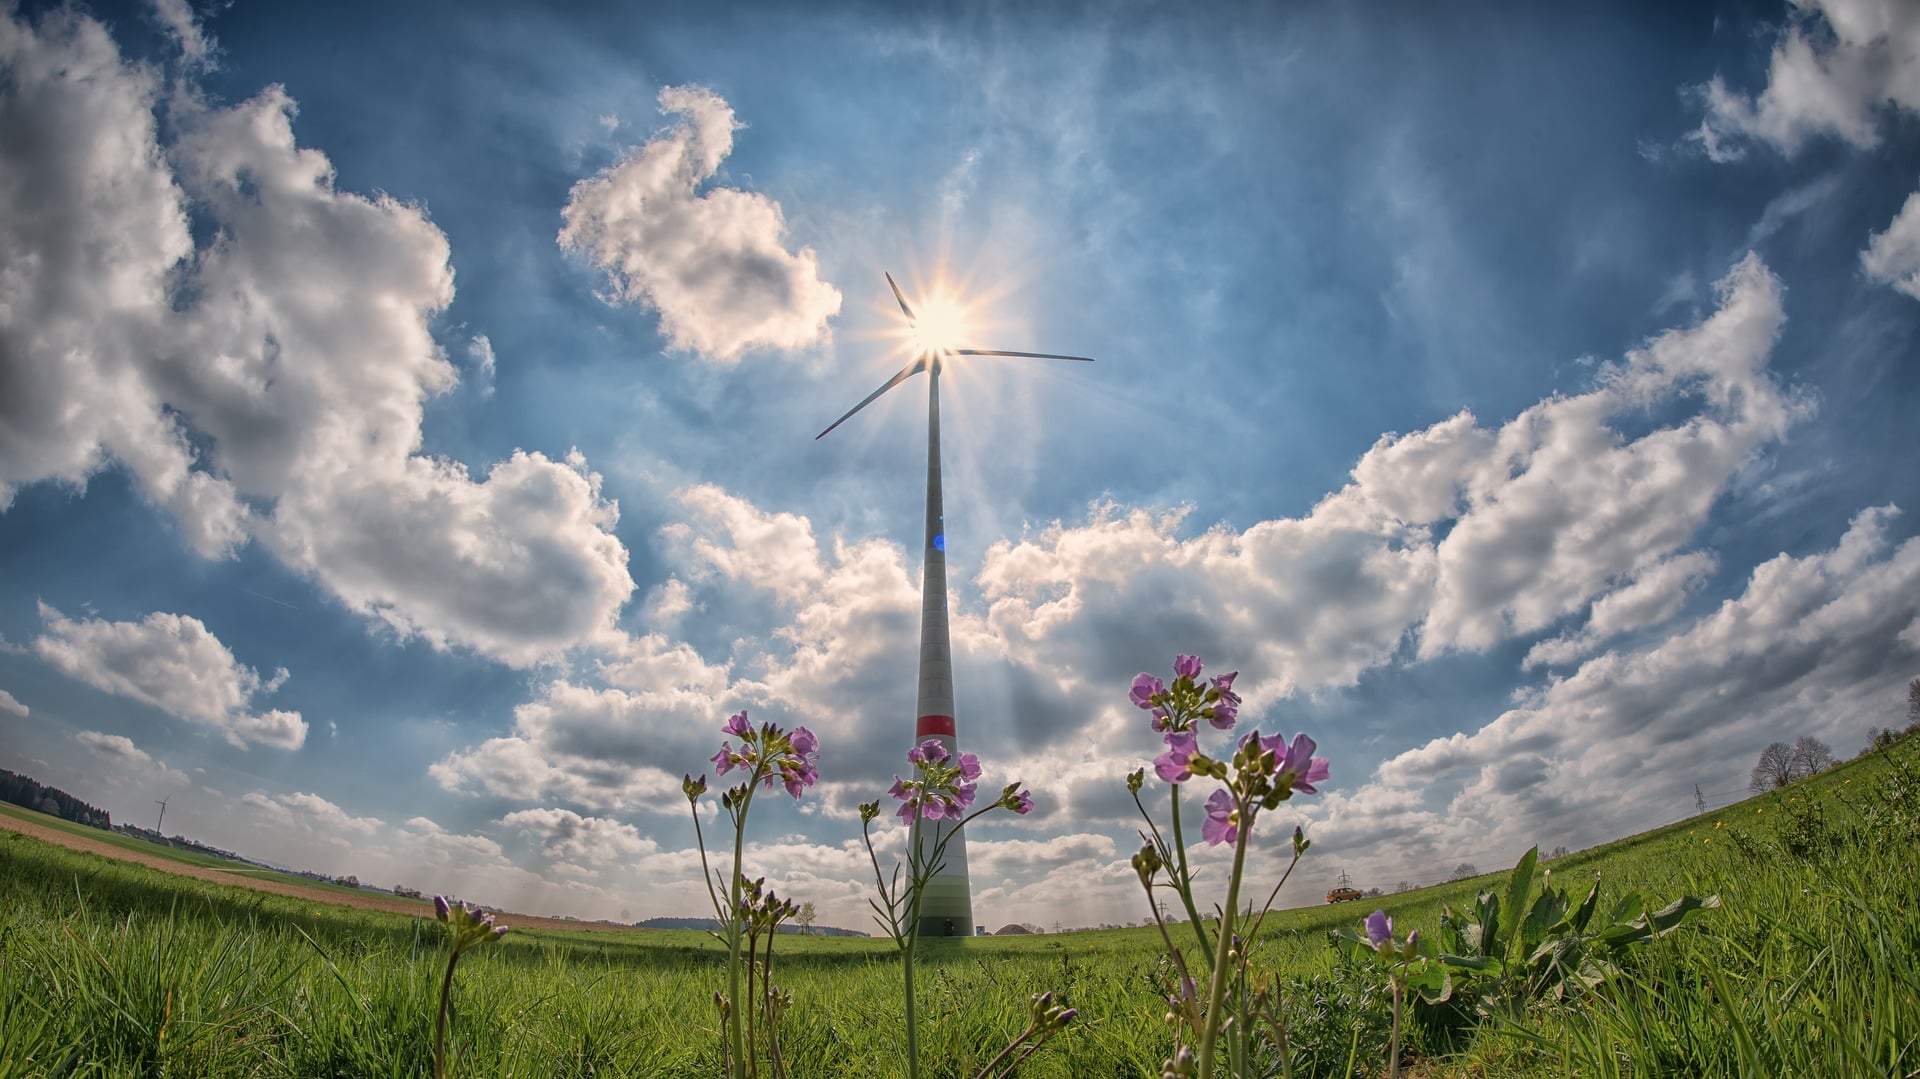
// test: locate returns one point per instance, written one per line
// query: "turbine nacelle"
(929, 359)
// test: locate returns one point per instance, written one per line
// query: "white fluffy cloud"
(1892, 256)
(1472, 536)
(1813, 645)
(1835, 70)
(617, 746)
(270, 382)
(713, 263)
(1831, 72)
(129, 761)
(564, 834)
(9, 703)
(95, 227)
(175, 664)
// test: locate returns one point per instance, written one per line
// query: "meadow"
(1807, 967)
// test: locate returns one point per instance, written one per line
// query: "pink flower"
(1223, 820)
(1379, 928)
(1186, 666)
(1174, 765)
(1145, 688)
(1295, 767)
(969, 767)
(724, 760)
(738, 726)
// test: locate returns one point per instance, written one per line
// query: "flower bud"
(1147, 863)
(720, 1002)
(868, 811)
(440, 907)
(693, 788)
(1300, 841)
(1135, 780)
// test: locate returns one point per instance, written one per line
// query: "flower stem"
(915, 881)
(1217, 991)
(440, 1025)
(1184, 881)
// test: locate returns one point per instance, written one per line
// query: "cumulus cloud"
(563, 834)
(1892, 256)
(617, 746)
(1832, 71)
(95, 228)
(1653, 597)
(175, 664)
(270, 382)
(1812, 645)
(129, 760)
(1469, 535)
(8, 703)
(713, 263)
(177, 18)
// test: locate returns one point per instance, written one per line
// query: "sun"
(941, 323)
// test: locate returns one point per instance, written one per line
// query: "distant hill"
(713, 926)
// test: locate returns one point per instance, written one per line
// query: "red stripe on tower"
(929, 726)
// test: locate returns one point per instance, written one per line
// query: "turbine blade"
(909, 370)
(1023, 355)
(898, 296)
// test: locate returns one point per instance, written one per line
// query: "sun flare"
(941, 323)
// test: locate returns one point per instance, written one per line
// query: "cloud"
(175, 664)
(270, 382)
(130, 760)
(1822, 80)
(480, 351)
(1812, 645)
(713, 264)
(95, 228)
(9, 704)
(1833, 72)
(1892, 256)
(177, 18)
(1653, 597)
(603, 747)
(563, 834)
(1469, 536)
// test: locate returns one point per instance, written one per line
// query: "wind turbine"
(162, 803)
(946, 906)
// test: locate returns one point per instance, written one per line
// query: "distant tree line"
(54, 802)
(1881, 738)
(1781, 764)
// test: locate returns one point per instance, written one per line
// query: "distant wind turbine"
(946, 907)
(162, 803)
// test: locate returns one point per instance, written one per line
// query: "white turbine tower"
(946, 907)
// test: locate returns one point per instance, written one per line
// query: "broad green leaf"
(1578, 923)
(1549, 911)
(1519, 884)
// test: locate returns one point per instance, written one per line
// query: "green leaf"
(1488, 913)
(1578, 923)
(1518, 886)
(1630, 907)
(1549, 911)
(1478, 964)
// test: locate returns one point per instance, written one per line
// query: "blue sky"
(406, 419)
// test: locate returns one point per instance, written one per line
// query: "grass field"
(1807, 969)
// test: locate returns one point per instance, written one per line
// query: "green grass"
(177, 854)
(1808, 968)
